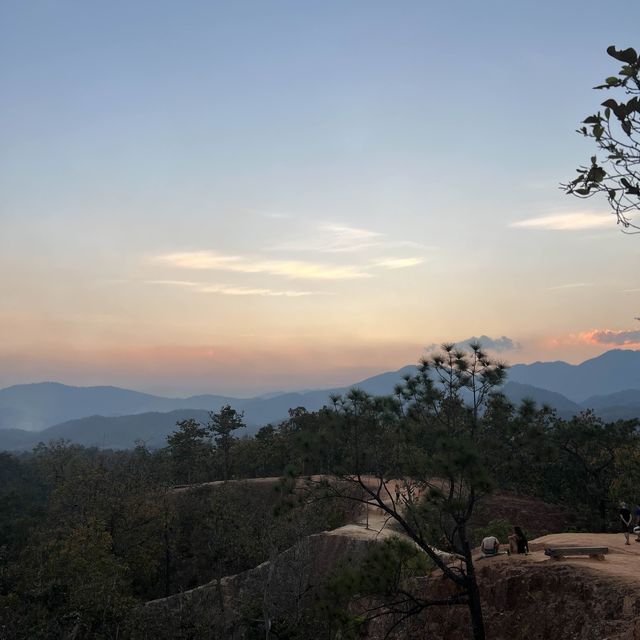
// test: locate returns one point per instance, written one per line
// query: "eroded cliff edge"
(528, 597)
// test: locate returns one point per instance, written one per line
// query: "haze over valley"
(114, 417)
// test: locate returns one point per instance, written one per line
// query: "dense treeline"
(87, 534)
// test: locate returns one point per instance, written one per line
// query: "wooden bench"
(559, 552)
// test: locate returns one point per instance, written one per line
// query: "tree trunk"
(475, 605)
(475, 610)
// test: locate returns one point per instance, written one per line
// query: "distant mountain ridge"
(34, 407)
(613, 371)
(37, 406)
(516, 392)
(121, 432)
(113, 417)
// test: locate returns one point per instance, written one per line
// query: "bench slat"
(576, 551)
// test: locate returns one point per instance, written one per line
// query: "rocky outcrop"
(533, 600)
(536, 601)
(551, 600)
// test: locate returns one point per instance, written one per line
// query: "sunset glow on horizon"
(247, 197)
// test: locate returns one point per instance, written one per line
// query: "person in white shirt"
(490, 546)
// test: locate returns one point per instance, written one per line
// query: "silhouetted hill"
(517, 392)
(120, 432)
(114, 417)
(153, 427)
(611, 372)
(613, 413)
(628, 397)
(17, 440)
(33, 407)
(37, 406)
(384, 383)
(276, 408)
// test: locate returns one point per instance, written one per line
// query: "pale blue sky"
(344, 176)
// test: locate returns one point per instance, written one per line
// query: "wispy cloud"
(331, 238)
(351, 238)
(323, 239)
(247, 291)
(398, 263)
(565, 222)
(337, 238)
(211, 260)
(231, 290)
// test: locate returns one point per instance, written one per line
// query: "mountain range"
(613, 371)
(114, 417)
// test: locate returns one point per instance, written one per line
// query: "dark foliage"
(85, 535)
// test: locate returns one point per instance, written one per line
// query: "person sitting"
(518, 542)
(490, 546)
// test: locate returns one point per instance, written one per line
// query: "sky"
(240, 197)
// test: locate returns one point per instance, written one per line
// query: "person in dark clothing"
(625, 517)
(523, 543)
(518, 542)
(636, 521)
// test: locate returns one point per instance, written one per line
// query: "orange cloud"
(611, 337)
(595, 338)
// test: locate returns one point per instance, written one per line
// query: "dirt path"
(373, 524)
(622, 562)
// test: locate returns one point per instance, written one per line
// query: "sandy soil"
(622, 561)
(374, 524)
